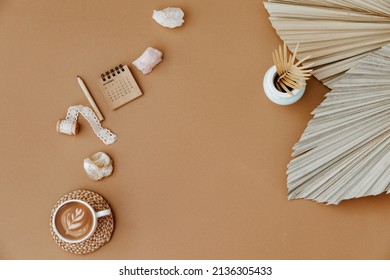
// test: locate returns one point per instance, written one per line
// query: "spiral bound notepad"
(118, 86)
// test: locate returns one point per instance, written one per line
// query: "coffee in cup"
(75, 220)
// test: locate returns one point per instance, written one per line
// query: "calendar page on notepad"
(118, 86)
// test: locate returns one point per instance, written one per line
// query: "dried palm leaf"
(335, 33)
(344, 152)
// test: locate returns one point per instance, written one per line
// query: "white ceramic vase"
(276, 96)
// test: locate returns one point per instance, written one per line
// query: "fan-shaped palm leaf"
(344, 152)
(335, 33)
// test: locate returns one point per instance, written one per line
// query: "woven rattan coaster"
(104, 228)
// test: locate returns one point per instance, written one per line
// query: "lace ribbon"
(66, 126)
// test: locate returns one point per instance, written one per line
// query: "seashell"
(98, 166)
(169, 17)
(148, 60)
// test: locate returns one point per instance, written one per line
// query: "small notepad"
(118, 86)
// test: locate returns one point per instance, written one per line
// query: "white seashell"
(169, 17)
(148, 60)
(98, 166)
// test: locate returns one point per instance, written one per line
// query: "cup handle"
(103, 213)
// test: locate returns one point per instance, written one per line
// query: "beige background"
(200, 159)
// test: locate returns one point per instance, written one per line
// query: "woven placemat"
(104, 228)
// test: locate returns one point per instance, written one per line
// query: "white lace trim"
(71, 119)
(66, 126)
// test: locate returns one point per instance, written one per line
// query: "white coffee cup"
(75, 221)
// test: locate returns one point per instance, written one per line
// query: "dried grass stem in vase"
(290, 75)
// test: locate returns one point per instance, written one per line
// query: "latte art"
(74, 221)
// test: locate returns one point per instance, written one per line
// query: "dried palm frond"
(344, 152)
(290, 75)
(335, 33)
